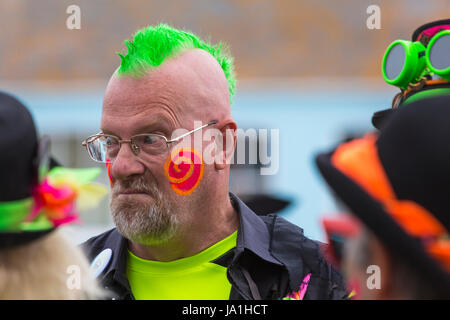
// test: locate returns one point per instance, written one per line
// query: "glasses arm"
(192, 131)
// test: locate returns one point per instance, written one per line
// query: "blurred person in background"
(420, 68)
(36, 259)
(179, 233)
(394, 242)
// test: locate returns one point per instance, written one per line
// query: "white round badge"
(100, 262)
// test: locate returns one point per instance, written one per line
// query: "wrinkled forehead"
(131, 103)
(128, 94)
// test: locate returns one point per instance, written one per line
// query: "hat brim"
(264, 204)
(372, 214)
(379, 118)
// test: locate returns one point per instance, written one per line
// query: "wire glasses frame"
(139, 142)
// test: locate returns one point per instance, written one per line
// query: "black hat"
(264, 204)
(424, 90)
(412, 154)
(21, 157)
(18, 142)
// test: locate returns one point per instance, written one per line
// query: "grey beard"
(141, 222)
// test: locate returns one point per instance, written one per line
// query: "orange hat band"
(424, 83)
(358, 159)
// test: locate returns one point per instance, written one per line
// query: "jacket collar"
(252, 233)
(116, 269)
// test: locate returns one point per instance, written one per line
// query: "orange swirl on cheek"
(184, 170)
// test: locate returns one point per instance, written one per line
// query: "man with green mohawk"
(180, 234)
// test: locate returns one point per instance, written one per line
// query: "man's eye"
(149, 139)
(110, 141)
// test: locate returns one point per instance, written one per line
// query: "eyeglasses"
(104, 148)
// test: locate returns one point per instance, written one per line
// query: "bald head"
(191, 86)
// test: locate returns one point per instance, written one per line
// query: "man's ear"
(226, 146)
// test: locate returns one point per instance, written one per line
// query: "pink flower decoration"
(57, 203)
(300, 294)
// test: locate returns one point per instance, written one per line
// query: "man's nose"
(126, 163)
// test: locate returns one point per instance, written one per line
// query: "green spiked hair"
(152, 45)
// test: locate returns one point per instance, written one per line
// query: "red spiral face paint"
(184, 170)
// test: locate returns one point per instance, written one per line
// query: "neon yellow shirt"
(191, 278)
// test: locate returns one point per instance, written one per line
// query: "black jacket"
(270, 260)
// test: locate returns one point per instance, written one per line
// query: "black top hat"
(19, 143)
(379, 118)
(414, 152)
(19, 162)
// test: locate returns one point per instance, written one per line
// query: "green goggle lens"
(403, 63)
(438, 54)
(395, 61)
